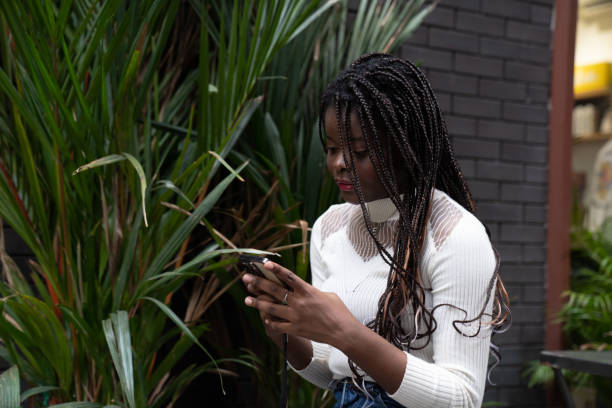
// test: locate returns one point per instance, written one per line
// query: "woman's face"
(371, 187)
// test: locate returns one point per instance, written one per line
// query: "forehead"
(332, 128)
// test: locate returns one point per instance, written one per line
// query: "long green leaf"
(188, 225)
(35, 391)
(181, 325)
(9, 388)
(117, 333)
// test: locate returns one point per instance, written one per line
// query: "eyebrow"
(353, 139)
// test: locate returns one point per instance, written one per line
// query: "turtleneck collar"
(381, 210)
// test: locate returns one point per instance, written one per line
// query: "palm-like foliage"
(105, 181)
(587, 314)
(298, 75)
(288, 176)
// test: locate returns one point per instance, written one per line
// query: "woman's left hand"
(308, 312)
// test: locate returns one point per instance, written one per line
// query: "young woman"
(405, 290)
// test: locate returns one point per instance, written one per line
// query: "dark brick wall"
(489, 63)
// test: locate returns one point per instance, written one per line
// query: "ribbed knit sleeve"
(317, 371)
(460, 273)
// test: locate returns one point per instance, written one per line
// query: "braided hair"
(408, 145)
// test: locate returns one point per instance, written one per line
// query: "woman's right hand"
(299, 349)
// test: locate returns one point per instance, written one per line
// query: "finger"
(273, 309)
(265, 286)
(278, 326)
(285, 275)
(253, 290)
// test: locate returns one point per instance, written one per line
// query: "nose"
(338, 162)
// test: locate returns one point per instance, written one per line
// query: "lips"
(344, 185)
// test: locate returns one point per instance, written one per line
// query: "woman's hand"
(308, 312)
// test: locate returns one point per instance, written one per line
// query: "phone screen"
(255, 265)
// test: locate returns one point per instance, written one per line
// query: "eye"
(331, 150)
(361, 153)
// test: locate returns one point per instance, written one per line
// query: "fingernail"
(248, 301)
(247, 278)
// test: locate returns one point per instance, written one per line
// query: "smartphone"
(255, 265)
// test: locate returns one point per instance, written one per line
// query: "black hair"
(403, 128)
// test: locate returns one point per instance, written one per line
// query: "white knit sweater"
(457, 264)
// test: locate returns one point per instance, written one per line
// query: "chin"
(350, 197)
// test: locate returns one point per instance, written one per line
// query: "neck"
(381, 210)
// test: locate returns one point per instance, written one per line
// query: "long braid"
(403, 127)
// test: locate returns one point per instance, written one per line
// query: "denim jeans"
(349, 396)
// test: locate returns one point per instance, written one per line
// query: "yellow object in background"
(592, 77)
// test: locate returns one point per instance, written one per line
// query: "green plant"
(104, 179)
(587, 313)
(289, 184)
(291, 149)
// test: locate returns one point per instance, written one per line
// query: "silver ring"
(285, 298)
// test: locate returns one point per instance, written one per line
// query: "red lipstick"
(344, 185)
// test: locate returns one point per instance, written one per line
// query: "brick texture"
(492, 60)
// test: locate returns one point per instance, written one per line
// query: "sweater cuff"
(420, 388)
(317, 371)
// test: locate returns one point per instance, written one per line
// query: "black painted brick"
(428, 57)
(541, 14)
(500, 130)
(535, 213)
(476, 148)
(484, 190)
(464, 4)
(512, 336)
(467, 166)
(500, 212)
(491, 67)
(508, 252)
(534, 254)
(503, 89)
(441, 16)
(537, 134)
(460, 126)
(536, 174)
(420, 36)
(506, 376)
(494, 230)
(477, 23)
(522, 396)
(491, 394)
(514, 50)
(534, 293)
(522, 233)
(444, 101)
(473, 106)
(525, 112)
(516, 355)
(526, 72)
(525, 153)
(527, 314)
(514, 290)
(537, 93)
(453, 40)
(519, 274)
(528, 32)
(499, 171)
(524, 193)
(455, 83)
(532, 334)
(507, 8)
